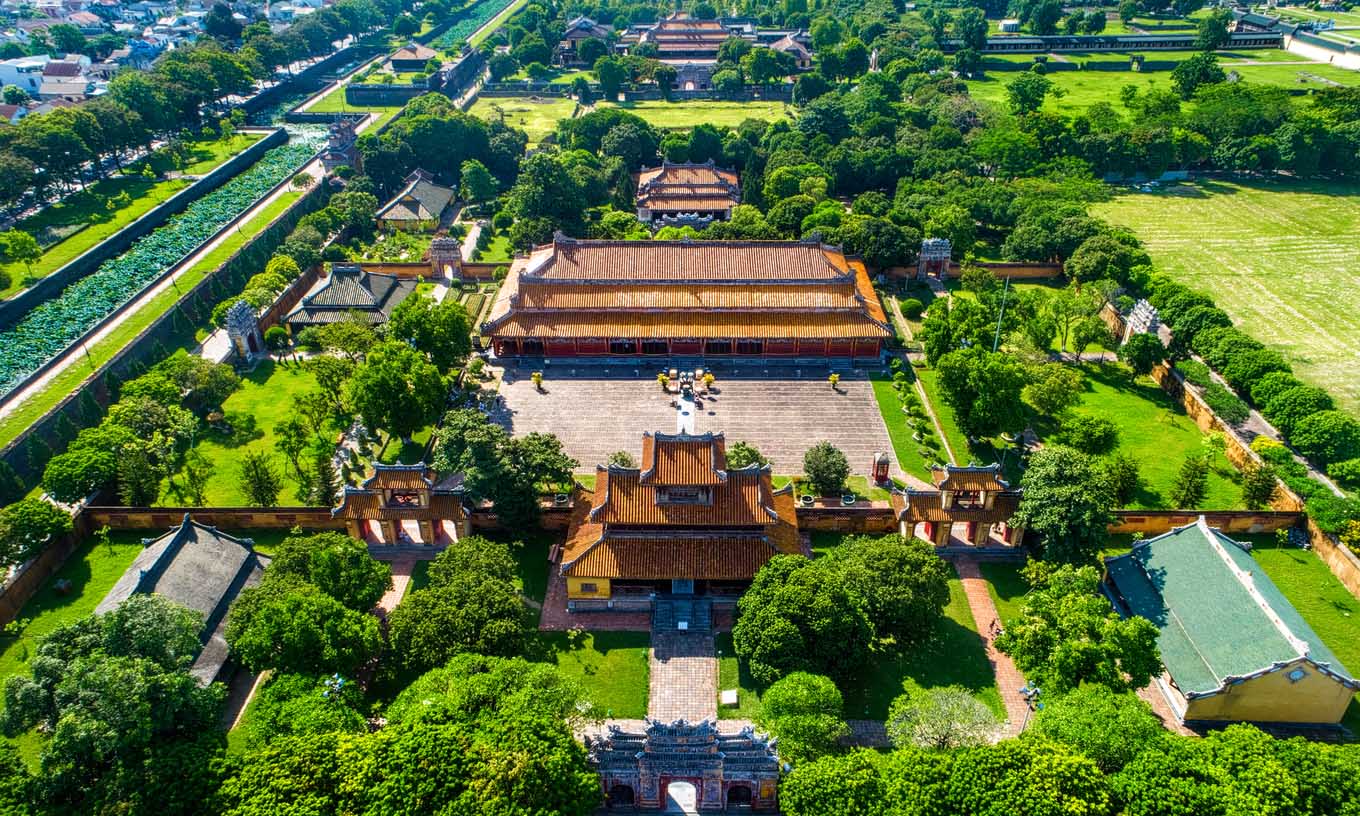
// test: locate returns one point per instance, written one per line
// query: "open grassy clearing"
(556, 76)
(1279, 256)
(712, 112)
(905, 448)
(1343, 19)
(334, 102)
(610, 666)
(536, 116)
(85, 219)
(264, 398)
(31, 409)
(1005, 586)
(1152, 428)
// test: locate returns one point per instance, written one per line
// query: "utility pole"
(996, 339)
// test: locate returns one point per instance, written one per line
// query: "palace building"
(681, 37)
(719, 299)
(1234, 648)
(696, 192)
(682, 522)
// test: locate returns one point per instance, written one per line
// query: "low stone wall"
(1339, 559)
(360, 94)
(273, 315)
(400, 270)
(30, 577)
(12, 309)
(227, 518)
(861, 517)
(480, 271)
(1002, 269)
(1156, 522)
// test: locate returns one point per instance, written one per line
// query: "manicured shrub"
(1226, 404)
(1230, 343)
(1272, 384)
(1197, 319)
(1247, 367)
(913, 308)
(1288, 408)
(1346, 473)
(1194, 372)
(1327, 436)
(1331, 513)
(1088, 434)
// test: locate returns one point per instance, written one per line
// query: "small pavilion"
(403, 505)
(973, 496)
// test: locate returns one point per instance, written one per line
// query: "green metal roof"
(1219, 614)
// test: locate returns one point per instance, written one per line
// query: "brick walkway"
(1008, 677)
(684, 677)
(402, 568)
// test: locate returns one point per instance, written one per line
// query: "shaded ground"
(781, 417)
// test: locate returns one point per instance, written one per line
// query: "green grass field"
(1081, 89)
(85, 219)
(1152, 428)
(610, 666)
(1005, 586)
(28, 412)
(906, 449)
(266, 395)
(1279, 256)
(688, 114)
(536, 116)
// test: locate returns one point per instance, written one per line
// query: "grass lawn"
(610, 666)
(859, 485)
(1279, 256)
(1152, 428)
(265, 398)
(392, 451)
(905, 448)
(954, 656)
(713, 112)
(536, 116)
(1005, 586)
(28, 412)
(557, 76)
(497, 250)
(85, 220)
(1320, 598)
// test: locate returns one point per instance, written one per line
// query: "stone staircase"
(669, 613)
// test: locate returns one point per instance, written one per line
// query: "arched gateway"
(639, 770)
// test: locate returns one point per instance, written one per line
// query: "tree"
(13, 95)
(1289, 407)
(220, 24)
(331, 375)
(1327, 436)
(322, 489)
(20, 247)
(940, 718)
(1067, 634)
(622, 459)
(1121, 476)
(1089, 434)
(1026, 91)
(260, 481)
(1142, 353)
(300, 704)
(291, 438)
(826, 469)
(984, 389)
(541, 456)
(197, 472)
(441, 330)
(1065, 505)
(74, 475)
(336, 564)
(611, 74)
(1258, 485)
(291, 626)
(805, 712)
(1103, 257)
(1052, 388)
(840, 785)
(395, 389)
(1211, 32)
(970, 26)
(350, 338)
(478, 184)
(1109, 727)
(474, 613)
(1199, 70)
(904, 586)
(741, 455)
(799, 615)
(1192, 482)
(27, 527)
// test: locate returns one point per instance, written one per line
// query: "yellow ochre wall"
(1271, 697)
(575, 592)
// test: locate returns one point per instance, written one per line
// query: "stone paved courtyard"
(597, 414)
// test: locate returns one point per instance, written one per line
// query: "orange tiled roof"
(593, 550)
(368, 504)
(400, 477)
(956, 477)
(743, 500)
(773, 325)
(925, 505)
(570, 296)
(688, 202)
(686, 262)
(683, 460)
(682, 174)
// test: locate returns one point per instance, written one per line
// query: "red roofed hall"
(719, 299)
(681, 522)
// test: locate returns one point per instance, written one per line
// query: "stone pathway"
(683, 679)
(1008, 678)
(403, 566)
